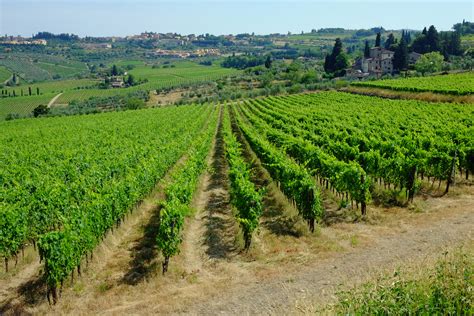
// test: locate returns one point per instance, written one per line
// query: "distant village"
(18, 40)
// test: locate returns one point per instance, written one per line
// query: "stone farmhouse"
(379, 63)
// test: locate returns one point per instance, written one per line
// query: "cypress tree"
(391, 40)
(377, 40)
(268, 62)
(432, 39)
(366, 50)
(400, 58)
(455, 44)
(114, 70)
(330, 60)
(328, 65)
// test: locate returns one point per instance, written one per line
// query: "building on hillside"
(96, 46)
(379, 63)
(413, 57)
(116, 82)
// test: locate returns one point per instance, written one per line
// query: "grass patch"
(445, 289)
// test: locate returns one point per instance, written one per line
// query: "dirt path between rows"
(318, 283)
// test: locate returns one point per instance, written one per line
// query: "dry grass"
(422, 96)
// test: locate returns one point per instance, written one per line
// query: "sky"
(127, 17)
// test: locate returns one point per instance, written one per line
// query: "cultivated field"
(22, 105)
(263, 205)
(456, 84)
(5, 74)
(181, 75)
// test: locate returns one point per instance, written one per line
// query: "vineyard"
(184, 74)
(40, 67)
(24, 98)
(67, 193)
(66, 182)
(456, 84)
(351, 144)
(22, 105)
(56, 87)
(4, 74)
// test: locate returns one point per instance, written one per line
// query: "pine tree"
(377, 40)
(366, 50)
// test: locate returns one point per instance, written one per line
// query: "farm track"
(51, 103)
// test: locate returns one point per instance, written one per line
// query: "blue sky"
(125, 17)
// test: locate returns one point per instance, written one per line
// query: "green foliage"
(40, 110)
(69, 205)
(377, 40)
(268, 62)
(244, 196)
(5, 74)
(457, 84)
(445, 289)
(400, 58)
(169, 238)
(336, 62)
(13, 229)
(184, 74)
(135, 103)
(40, 67)
(465, 27)
(346, 177)
(429, 63)
(244, 61)
(295, 181)
(366, 50)
(23, 106)
(180, 190)
(347, 142)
